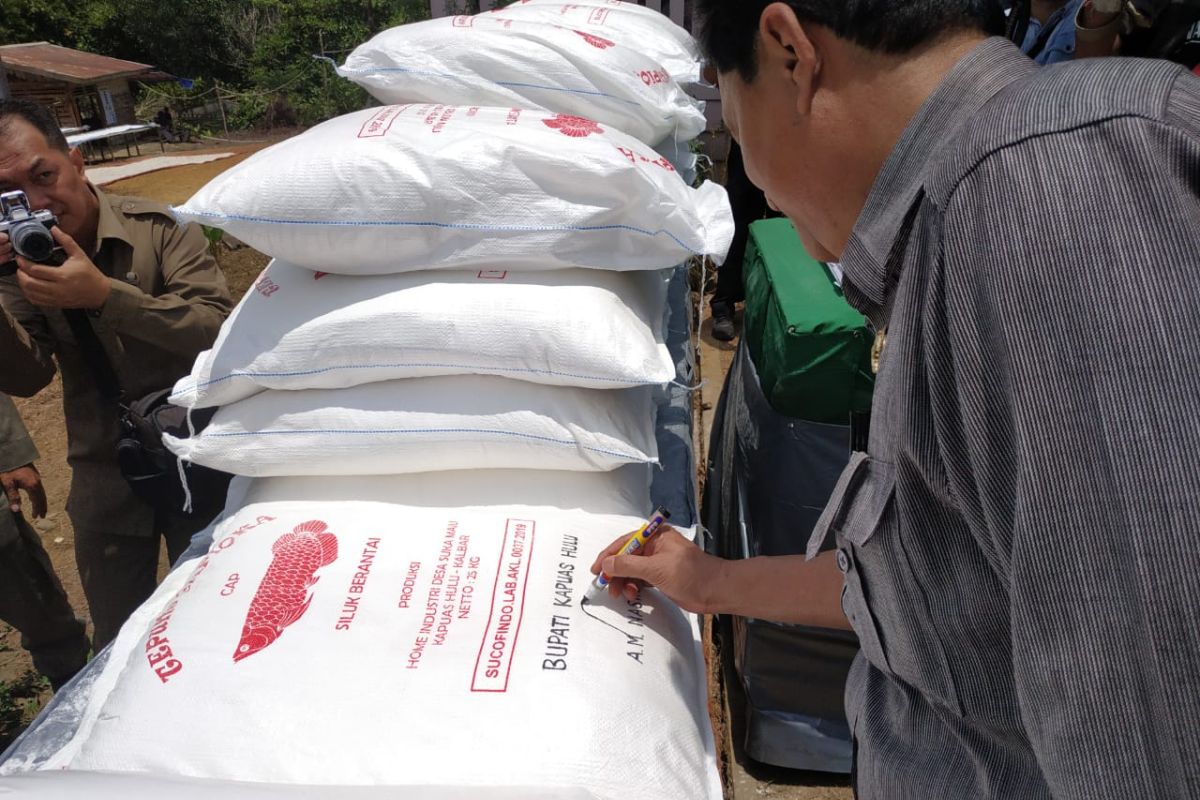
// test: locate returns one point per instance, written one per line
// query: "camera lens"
(33, 241)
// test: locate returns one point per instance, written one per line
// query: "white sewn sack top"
(426, 425)
(375, 644)
(630, 24)
(412, 187)
(83, 785)
(495, 61)
(299, 329)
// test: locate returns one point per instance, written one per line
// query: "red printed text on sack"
(637, 158)
(265, 286)
(380, 122)
(654, 77)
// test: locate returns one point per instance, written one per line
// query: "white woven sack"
(629, 24)
(426, 425)
(373, 644)
(298, 329)
(110, 786)
(405, 188)
(494, 61)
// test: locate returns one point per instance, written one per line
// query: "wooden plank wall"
(45, 92)
(122, 101)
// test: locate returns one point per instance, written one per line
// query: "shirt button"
(843, 561)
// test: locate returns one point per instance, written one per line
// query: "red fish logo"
(599, 42)
(575, 127)
(283, 596)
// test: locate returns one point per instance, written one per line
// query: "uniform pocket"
(882, 597)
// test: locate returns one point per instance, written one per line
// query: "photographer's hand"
(78, 283)
(28, 479)
(6, 249)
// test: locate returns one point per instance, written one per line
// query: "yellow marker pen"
(635, 543)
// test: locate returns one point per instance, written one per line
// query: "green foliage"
(261, 51)
(18, 702)
(214, 235)
(57, 21)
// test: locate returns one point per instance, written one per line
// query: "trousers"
(119, 568)
(33, 601)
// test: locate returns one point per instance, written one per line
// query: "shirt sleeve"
(1062, 331)
(186, 316)
(26, 344)
(16, 448)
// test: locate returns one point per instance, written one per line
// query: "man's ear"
(787, 50)
(76, 158)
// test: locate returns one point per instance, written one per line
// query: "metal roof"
(64, 64)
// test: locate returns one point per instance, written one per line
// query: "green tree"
(56, 21)
(260, 50)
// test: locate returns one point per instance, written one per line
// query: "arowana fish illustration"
(283, 595)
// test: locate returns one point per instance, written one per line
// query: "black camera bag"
(153, 472)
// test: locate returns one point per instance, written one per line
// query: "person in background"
(749, 205)
(154, 297)
(1016, 547)
(166, 125)
(1053, 31)
(32, 599)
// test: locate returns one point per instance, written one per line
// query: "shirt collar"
(871, 260)
(109, 225)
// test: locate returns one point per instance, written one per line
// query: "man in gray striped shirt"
(1019, 549)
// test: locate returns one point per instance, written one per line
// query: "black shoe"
(723, 329)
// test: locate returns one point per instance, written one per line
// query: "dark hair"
(39, 117)
(729, 32)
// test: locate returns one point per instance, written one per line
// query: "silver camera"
(28, 230)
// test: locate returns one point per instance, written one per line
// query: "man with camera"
(128, 293)
(31, 598)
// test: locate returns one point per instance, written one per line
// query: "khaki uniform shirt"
(167, 303)
(16, 450)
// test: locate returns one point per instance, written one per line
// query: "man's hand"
(778, 588)
(78, 283)
(28, 479)
(676, 566)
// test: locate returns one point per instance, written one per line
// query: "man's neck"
(879, 96)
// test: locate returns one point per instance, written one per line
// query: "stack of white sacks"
(445, 388)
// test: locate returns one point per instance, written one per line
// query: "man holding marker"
(1017, 549)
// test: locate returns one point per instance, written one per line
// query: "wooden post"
(4, 93)
(221, 106)
(678, 12)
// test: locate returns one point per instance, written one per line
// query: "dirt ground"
(21, 694)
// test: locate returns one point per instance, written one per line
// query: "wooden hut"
(81, 88)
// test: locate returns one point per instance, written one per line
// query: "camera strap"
(94, 354)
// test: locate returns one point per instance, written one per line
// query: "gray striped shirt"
(1022, 542)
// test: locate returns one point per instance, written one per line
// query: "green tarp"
(812, 350)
